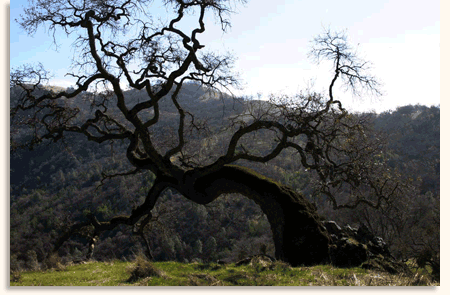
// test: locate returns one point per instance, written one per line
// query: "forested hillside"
(54, 186)
(410, 224)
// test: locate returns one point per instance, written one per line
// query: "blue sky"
(271, 40)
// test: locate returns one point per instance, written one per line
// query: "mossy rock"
(380, 263)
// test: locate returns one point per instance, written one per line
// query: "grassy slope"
(117, 273)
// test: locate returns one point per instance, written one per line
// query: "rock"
(380, 263)
(349, 231)
(348, 252)
(364, 235)
(351, 247)
(332, 228)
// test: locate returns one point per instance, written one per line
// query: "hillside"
(56, 185)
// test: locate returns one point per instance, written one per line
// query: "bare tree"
(121, 46)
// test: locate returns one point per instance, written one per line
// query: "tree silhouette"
(121, 46)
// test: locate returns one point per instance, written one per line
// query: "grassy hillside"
(258, 273)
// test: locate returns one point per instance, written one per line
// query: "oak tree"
(120, 45)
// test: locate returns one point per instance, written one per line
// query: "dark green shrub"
(32, 261)
(15, 265)
(54, 262)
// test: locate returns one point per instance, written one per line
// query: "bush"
(15, 276)
(54, 262)
(428, 257)
(32, 262)
(15, 265)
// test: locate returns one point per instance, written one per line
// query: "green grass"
(89, 274)
(258, 273)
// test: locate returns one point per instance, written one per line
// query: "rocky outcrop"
(347, 247)
(351, 247)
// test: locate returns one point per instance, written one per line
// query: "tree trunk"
(299, 236)
(91, 247)
(148, 251)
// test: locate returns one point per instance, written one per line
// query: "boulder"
(351, 247)
(332, 228)
(347, 252)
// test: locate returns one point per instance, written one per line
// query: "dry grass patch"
(371, 278)
(142, 268)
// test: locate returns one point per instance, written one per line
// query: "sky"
(271, 40)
